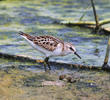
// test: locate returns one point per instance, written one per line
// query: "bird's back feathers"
(48, 42)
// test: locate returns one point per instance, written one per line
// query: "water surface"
(23, 80)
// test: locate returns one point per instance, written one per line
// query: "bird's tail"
(22, 33)
(25, 35)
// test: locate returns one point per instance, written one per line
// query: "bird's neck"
(64, 47)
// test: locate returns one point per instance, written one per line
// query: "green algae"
(22, 80)
(22, 84)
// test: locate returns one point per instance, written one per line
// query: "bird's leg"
(45, 66)
(47, 63)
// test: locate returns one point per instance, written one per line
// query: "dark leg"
(45, 66)
(47, 63)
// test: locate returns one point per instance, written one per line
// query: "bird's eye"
(71, 49)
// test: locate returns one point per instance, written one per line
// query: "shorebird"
(50, 46)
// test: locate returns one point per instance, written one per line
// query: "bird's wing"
(48, 42)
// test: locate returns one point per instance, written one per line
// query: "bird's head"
(71, 49)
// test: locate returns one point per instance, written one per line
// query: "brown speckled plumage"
(46, 41)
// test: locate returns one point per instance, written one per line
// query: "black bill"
(77, 55)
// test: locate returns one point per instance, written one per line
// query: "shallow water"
(37, 18)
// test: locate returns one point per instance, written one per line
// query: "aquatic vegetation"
(22, 80)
